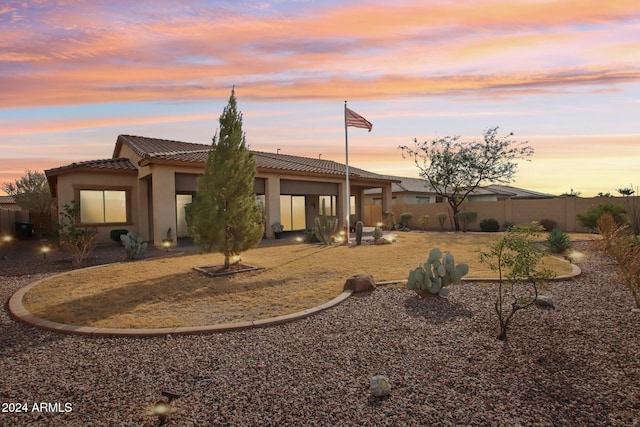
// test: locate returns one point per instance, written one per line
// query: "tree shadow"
(179, 288)
(435, 309)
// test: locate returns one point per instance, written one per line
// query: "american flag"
(356, 120)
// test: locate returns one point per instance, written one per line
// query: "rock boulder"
(360, 283)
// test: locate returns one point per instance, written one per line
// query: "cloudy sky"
(563, 75)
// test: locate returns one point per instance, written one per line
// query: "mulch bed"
(219, 270)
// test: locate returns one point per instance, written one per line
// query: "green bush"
(405, 217)
(508, 225)
(466, 217)
(377, 233)
(558, 241)
(490, 225)
(590, 217)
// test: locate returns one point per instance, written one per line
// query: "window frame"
(103, 188)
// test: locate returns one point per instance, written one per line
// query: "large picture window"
(103, 206)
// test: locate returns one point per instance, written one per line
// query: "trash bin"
(23, 230)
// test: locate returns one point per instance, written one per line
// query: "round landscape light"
(161, 409)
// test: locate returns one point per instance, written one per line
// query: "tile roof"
(6, 200)
(162, 149)
(113, 164)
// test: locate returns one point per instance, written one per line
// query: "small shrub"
(558, 241)
(548, 224)
(424, 221)
(620, 243)
(442, 218)
(489, 225)
(78, 241)
(589, 218)
(466, 218)
(115, 235)
(607, 228)
(403, 225)
(390, 218)
(377, 233)
(508, 225)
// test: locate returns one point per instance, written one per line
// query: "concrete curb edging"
(17, 310)
(20, 313)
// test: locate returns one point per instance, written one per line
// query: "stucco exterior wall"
(70, 184)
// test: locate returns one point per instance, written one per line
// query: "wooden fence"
(518, 211)
(9, 217)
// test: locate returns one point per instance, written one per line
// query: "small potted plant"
(277, 229)
(168, 240)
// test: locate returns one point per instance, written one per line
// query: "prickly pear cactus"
(438, 272)
(134, 246)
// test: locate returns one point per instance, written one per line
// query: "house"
(411, 191)
(147, 182)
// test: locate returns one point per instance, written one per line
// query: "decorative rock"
(382, 241)
(380, 386)
(360, 283)
(545, 302)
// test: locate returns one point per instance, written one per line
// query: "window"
(329, 205)
(103, 206)
(292, 212)
(422, 200)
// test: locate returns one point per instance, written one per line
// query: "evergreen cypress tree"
(224, 215)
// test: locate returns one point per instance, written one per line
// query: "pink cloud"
(376, 51)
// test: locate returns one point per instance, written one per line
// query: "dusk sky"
(563, 75)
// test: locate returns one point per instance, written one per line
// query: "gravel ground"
(577, 365)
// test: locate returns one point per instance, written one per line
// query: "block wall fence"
(519, 211)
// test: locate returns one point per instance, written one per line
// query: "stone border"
(20, 313)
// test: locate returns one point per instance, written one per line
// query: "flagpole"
(348, 196)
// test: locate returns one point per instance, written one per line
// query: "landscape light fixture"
(162, 408)
(7, 238)
(45, 250)
(166, 244)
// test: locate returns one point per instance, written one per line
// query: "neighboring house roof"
(7, 200)
(419, 185)
(518, 193)
(161, 150)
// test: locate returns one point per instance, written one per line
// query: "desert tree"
(516, 258)
(455, 168)
(31, 192)
(225, 215)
